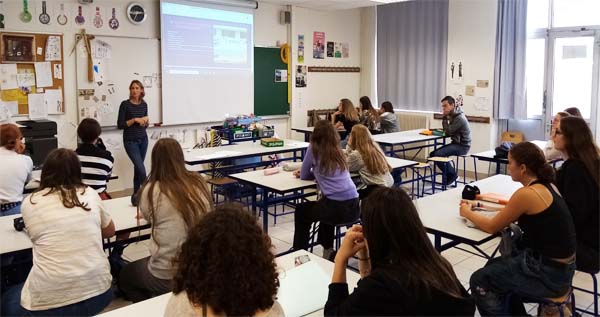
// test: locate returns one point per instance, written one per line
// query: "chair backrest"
(512, 136)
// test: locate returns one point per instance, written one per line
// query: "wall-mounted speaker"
(285, 17)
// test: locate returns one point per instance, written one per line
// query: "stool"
(338, 233)
(217, 184)
(464, 167)
(446, 161)
(594, 292)
(561, 304)
(419, 173)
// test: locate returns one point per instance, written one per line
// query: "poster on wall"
(338, 50)
(345, 50)
(301, 72)
(300, 48)
(330, 48)
(319, 45)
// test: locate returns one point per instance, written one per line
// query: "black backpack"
(470, 192)
(503, 149)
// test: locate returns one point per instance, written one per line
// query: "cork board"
(29, 49)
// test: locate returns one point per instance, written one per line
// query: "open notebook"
(303, 289)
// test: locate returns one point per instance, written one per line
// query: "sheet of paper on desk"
(219, 154)
(485, 212)
(303, 290)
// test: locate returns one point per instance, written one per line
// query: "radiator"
(411, 121)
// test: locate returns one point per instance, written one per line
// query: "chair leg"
(475, 167)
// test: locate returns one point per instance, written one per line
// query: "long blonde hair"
(186, 191)
(349, 111)
(361, 141)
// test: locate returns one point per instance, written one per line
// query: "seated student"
(173, 200)
(544, 261)
(401, 272)
(225, 268)
(15, 170)
(550, 151)
(574, 111)
(387, 118)
(578, 180)
(345, 117)
(369, 116)
(324, 162)
(457, 128)
(365, 157)
(66, 222)
(96, 161)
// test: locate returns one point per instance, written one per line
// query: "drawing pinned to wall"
(482, 104)
(8, 76)
(319, 45)
(12, 107)
(452, 71)
(330, 49)
(147, 81)
(338, 50)
(459, 101)
(98, 70)
(53, 48)
(53, 100)
(300, 48)
(4, 113)
(43, 74)
(345, 50)
(460, 70)
(57, 70)
(301, 74)
(37, 107)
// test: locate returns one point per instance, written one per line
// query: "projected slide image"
(230, 45)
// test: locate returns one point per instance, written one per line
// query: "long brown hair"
(186, 191)
(62, 173)
(365, 103)
(580, 145)
(370, 152)
(139, 83)
(398, 243)
(348, 110)
(325, 144)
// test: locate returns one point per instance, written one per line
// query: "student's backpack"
(470, 192)
(503, 149)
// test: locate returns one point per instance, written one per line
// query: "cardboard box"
(271, 142)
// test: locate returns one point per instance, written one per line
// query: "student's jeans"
(13, 211)
(11, 305)
(137, 282)
(446, 151)
(136, 150)
(500, 286)
(329, 212)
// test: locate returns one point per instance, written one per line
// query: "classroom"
(299, 157)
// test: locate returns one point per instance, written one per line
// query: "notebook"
(303, 289)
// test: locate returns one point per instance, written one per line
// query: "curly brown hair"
(226, 263)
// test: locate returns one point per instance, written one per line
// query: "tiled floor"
(464, 263)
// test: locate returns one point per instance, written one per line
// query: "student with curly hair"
(225, 268)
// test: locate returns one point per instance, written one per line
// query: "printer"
(40, 139)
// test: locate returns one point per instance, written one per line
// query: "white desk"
(403, 138)
(156, 306)
(284, 182)
(441, 217)
(241, 150)
(122, 212)
(36, 177)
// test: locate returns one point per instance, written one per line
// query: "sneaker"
(134, 200)
(450, 180)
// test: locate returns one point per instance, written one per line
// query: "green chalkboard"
(270, 97)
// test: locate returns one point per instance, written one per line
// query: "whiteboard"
(128, 59)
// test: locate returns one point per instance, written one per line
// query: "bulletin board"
(116, 62)
(39, 70)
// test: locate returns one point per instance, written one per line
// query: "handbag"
(470, 192)
(510, 236)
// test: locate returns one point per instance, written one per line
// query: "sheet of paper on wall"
(8, 76)
(12, 107)
(101, 50)
(4, 114)
(53, 48)
(43, 74)
(98, 69)
(57, 69)
(54, 101)
(37, 107)
(26, 79)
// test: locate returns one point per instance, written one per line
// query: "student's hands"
(353, 242)
(296, 173)
(465, 208)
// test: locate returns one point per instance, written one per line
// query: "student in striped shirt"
(96, 161)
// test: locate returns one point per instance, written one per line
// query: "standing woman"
(133, 119)
(543, 263)
(578, 180)
(15, 170)
(173, 200)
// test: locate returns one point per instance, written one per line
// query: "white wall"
(267, 32)
(324, 90)
(472, 41)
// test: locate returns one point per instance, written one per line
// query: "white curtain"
(510, 98)
(412, 42)
(368, 57)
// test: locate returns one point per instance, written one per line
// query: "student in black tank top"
(543, 263)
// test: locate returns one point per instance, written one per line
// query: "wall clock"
(136, 13)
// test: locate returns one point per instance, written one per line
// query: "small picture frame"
(18, 48)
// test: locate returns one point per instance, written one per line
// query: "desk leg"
(306, 137)
(254, 193)
(497, 168)
(265, 210)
